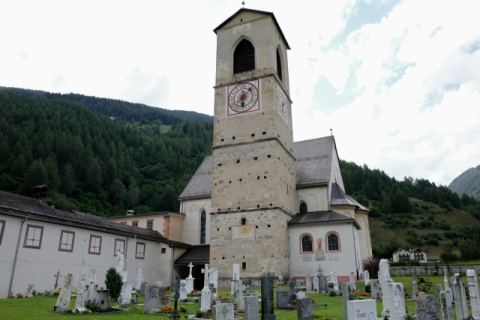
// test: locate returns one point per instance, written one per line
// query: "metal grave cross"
(58, 275)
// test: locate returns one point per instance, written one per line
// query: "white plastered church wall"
(364, 234)
(191, 223)
(341, 261)
(37, 266)
(315, 198)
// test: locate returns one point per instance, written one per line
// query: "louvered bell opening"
(244, 57)
(279, 66)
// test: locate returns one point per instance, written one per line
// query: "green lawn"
(41, 307)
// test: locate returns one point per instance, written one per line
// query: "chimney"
(130, 213)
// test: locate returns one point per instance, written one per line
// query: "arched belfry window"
(333, 244)
(244, 57)
(307, 243)
(303, 207)
(279, 65)
(203, 226)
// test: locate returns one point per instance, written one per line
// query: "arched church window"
(333, 244)
(307, 243)
(203, 226)
(244, 57)
(279, 65)
(303, 207)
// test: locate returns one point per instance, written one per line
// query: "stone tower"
(253, 174)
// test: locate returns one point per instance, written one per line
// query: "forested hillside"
(131, 112)
(92, 163)
(468, 182)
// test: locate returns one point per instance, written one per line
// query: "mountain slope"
(468, 182)
(126, 111)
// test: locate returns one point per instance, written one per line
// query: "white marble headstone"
(93, 276)
(316, 287)
(159, 283)
(63, 301)
(235, 276)
(384, 277)
(126, 294)
(397, 301)
(183, 289)
(362, 309)
(366, 275)
(300, 295)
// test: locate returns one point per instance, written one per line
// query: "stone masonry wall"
(269, 252)
(429, 270)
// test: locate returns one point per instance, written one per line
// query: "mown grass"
(41, 307)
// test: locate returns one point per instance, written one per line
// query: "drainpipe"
(355, 248)
(126, 248)
(173, 268)
(15, 259)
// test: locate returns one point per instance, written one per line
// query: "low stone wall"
(253, 282)
(429, 270)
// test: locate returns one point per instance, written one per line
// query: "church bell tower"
(253, 174)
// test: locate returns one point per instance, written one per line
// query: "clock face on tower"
(243, 98)
(282, 104)
(243, 232)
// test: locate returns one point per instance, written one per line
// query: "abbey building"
(261, 200)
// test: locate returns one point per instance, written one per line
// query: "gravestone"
(206, 299)
(299, 283)
(352, 277)
(251, 308)
(93, 276)
(305, 309)
(463, 295)
(366, 276)
(309, 283)
(322, 284)
(247, 282)
(474, 295)
(79, 303)
(291, 285)
(375, 290)
(458, 300)
(335, 280)
(445, 281)
(414, 289)
(427, 308)
(63, 301)
(346, 296)
(240, 295)
(235, 277)
(155, 298)
(199, 300)
(183, 289)
(213, 290)
(300, 295)
(446, 303)
(361, 309)
(190, 280)
(223, 311)
(384, 278)
(405, 291)
(267, 298)
(217, 301)
(142, 288)
(316, 287)
(126, 294)
(159, 283)
(439, 289)
(213, 278)
(139, 277)
(396, 301)
(283, 298)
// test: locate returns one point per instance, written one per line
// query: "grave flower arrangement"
(166, 310)
(19, 295)
(330, 285)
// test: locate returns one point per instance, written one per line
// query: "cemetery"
(407, 297)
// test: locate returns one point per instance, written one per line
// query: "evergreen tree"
(94, 176)
(68, 179)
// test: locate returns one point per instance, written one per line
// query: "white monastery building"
(260, 200)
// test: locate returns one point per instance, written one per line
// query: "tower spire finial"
(243, 4)
(331, 132)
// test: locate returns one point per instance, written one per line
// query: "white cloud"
(416, 109)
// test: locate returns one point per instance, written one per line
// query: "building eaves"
(321, 217)
(255, 11)
(147, 214)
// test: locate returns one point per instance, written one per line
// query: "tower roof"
(339, 198)
(254, 11)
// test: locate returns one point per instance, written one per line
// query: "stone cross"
(427, 308)
(58, 275)
(205, 271)
(474, 295)
(240, 290)
(446, 302)
(191, 267)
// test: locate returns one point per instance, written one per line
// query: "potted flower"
(330, 285)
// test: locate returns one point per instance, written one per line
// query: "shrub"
(93, 306)
(199, 314)
(371, 265)
(421, 280)
(333, 294)
(414, 262)
(432, 241)
(114, 283)
(435, 273)
(241, 311)
(399, 263)
(367, 288)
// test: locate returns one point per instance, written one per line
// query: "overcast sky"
(398, 81)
